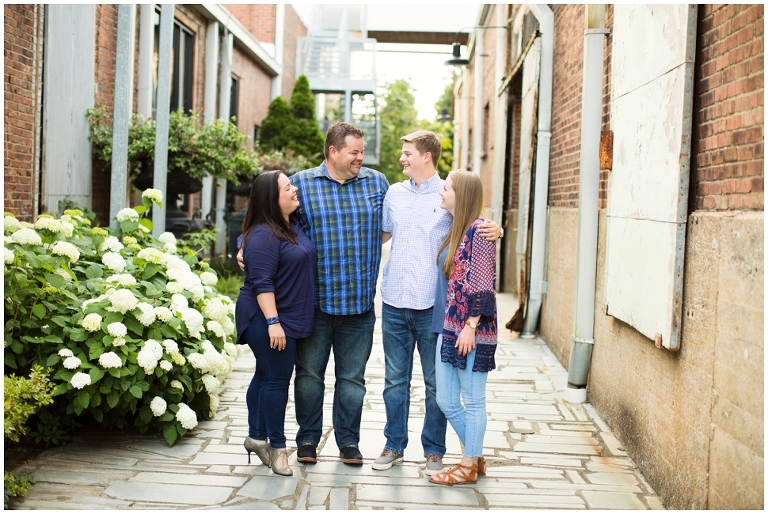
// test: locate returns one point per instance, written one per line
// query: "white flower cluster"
(50, 224)
(211, 361)
(127, 214)
(80, 380)
(8, 255)
(213, 403)
(113, 261)
(174, 287)
(67, 228)
(112, 244)
(148, 356)
(165, 365)
(92, 322)
(124, 279)
(72, 362)
(11, 224)
(151, 255)
(66, 250)
(172, 349)
(186, 417)
(27, 236)
(216, 328)
(153, 194)
(122, 300)
(189, 280)
(208, 278)
(177, 385)
(178, 303)
(194, 322)
(167, 237)
(91, 300)
(158, 406)
(216, 310)
(110, 360)
(65, 352)
(169, 248)
(117, 329)
(147, 316)
(211, 383)
(163, 313)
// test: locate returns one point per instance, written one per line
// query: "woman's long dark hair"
(263, 207)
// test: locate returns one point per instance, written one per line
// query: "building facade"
(675, 112)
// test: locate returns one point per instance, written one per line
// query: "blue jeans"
(351, 339)
(453, 385)
(267, 396)
(403, 330)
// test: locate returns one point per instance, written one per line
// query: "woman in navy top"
(274, 309)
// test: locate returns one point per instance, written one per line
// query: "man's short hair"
(425, 141)
(337, 135)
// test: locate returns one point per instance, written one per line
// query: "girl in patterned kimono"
(466, 348)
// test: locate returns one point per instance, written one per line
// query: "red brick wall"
(603, 184)
(728, 171)
(21, 109)
(255, 87)
(566, 105)
(294, 29)
(258, 19)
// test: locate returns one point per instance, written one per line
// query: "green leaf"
(78, 334)
(55, 280)
(94, 271)
(150, 270)
(129, 226)
(147, 223)
(145, 413)
(167, 331)
(10, 360)
(95, 351)
(97, 415)
(60, 389)
(167, 416)
(134, 326)
(53, 338)
(169, 431)
(136, 391)
(113, 317)
(53, 359)
(39, 310)
(95, 374)
(113, 398)
(140, 209)
(83, 398)
(155, 333)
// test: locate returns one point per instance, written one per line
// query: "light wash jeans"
(404, 330)
(453, 386)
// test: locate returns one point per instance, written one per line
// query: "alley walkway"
(541, 451)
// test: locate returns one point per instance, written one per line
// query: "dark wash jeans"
(351, 339)
(267, 396)
(404, 330)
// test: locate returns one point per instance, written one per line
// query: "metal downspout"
(589, 185)
(538, 285)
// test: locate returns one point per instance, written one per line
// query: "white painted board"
(651, 102)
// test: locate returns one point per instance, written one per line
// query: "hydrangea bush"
(131, 325)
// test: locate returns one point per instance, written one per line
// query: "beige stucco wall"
(691, 420)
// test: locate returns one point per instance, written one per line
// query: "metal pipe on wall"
(277, 80)
(477, 132)
(209, 114)
(163, 116)
(224, 107)
(146, 48)
(582, 341)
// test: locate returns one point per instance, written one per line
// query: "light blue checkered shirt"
(418, 226)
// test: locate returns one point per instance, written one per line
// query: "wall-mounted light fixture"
(457, 59)
(444, 116)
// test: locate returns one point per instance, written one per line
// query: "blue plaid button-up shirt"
(344, 223)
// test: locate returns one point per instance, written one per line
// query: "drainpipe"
(538, 286)
(589, 179)
(465, 117)
(146, 47)
(225, 78)
(277, 80)
(499, 129)
(209, 114)
(477, 132)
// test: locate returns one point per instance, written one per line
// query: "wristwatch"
(471, 324)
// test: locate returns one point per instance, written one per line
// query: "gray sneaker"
(386, 460)
(434, 465)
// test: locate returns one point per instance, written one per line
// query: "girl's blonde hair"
(469, 205)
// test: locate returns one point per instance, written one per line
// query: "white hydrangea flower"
(169, 247)
(122, 300)
(144, 229)
(214, 309)
(175, 273)
(216, 328)
(72, 362)
(91, 300)
(177, 385)
(228, 326)
(110, 360)
(66, 250)
(167, 237)
(171, 261)
(163, 313)
(213, 403)
(112, 244)
(178, 303)
(124, 279)
(147, 316)
(48, 224)
(8, 239)
(127, 214)
(194, 322)
(208, 278)
(171, 347)
(65, 352)
(130, 240)
(153, 194)
(67, 228)
(11, 224)
(198, 361)
(231, 350)
(113, 261)
(92, 322)
(118, 341)
(158, 406)
(186, 417)
(155, 347)
(117, 329)
(174, 287)
(167, 366)
(80, 380)
(151, 255)
(27, 236)
(178, 359)
(26, 224)
(147, 360)
(8, 255)
(211, 383)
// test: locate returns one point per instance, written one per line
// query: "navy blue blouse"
(286, 269)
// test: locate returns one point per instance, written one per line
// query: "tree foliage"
(398, 118)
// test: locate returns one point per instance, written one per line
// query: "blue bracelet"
(273, 321)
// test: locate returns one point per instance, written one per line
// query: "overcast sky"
(426, 72)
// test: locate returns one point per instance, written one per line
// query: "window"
(182, 66)
(486, 119)
(255, 133)
(234, 96)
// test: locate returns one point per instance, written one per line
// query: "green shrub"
(16, 485)
(135, 332)
(22, 397)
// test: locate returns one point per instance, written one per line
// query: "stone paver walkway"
(542, 453)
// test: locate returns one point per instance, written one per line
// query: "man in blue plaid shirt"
(340, 206)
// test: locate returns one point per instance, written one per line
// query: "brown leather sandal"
(482, 467)
(457, 475)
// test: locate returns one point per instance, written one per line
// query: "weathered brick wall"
(729, 120)
(566, 105)
(20, 40)
(603, 185)
(294, 29)
(258, 19)
(255, 87)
